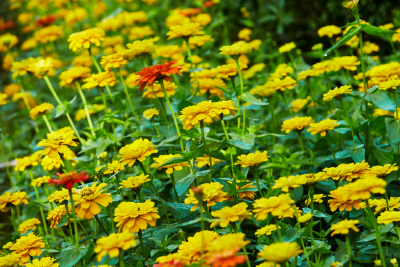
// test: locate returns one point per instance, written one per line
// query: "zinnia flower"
(116, 60)
(68, 179)
(150, 113)
(133, 217)
(39, 181)
(305, 218)
(56, 215)
(280, 252)
(113, 243)
(205, 111)
(138, 150)
(296, 123)
(342, 202)
(222, 251)
(266, 230)
(91, 198)
(41, 109)
(138, 48)
(185, 30)
(170, 167)
(389, 85)
(348, 63)
(3, 99)
(134, 183)
(114, 167)
(43, 262)
(16, 199)
(196, 246)
(235, 50)
(170, 89)
(25, 246)
(86, 38)
(212, 193)
(363, 188)
(205, 160)
(287, 47)
(58, 142)
(299, 104)
(61, 196)
(387, 217)
(383, 171)
(284, 183)
(329, 31)
(101, 79)
(10, 260)
(158, 73)
(232, 214)
(322, 127)
(69, 76)
(275, 205)
(344, 226)
(28, 225)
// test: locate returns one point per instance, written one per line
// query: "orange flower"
(156, 73)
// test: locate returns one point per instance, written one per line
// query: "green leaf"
(71, 255)
(183, 184)
(292, 234)
(383, 157)
(251, 99)
(381, 99)
(60, 110)
(373, 30)
(192, 154)
(239, 144)
(103, 144)
(63, 221)
(168, 140)
(344, 39)
(393, 129)
(183, 209)
(218, 155)
(173, 161)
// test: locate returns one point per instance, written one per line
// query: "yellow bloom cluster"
(296, 123)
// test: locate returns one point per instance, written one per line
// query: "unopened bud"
(351, 5)
(103, 155)
(378, 263)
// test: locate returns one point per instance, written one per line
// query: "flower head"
(322, 127)
(138, 150)
(73, 74)
(132, 217)
(28, 225)
(287, 83)
(205, 160)
(68, 179)
(296, 123)
(86, 38)
(363, 188)
(199, 40)
(266, 230)
(383, 171)
(58, 142)
(170, 89)
(284, 183)
(205, 111)
(39, 181)
(212, 193)
(116, 60)
(170, 167)
(61, 196)
(227, 215)
(134, 183)
(42, 67)
(114, 167)
(329, 31)
(27, 161)
(41, 109)
(56, 215)
(185, 30)
(25, 246)
(351, 5)
(347, 62)
(389, 85)
(299, 104)
(222, 251)
(150, 113)
(100, 79)
(287, 47)
(275, 205)
(16, 199)
(49, 34)
(305, 218)
(344, 226)
(252, 160)
(337, 93)
(341, 201)
(138, 48)
(235, 50)
(158, 73)
(280, 252)
(43, 262)
(113, 243)
(10, 260)
(3, 99)
(191, 250)
(387, 217)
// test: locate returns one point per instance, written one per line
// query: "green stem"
(74, 217)
(13, 219)
(164, 114)
(398, 230)
(238, 100)
(121, 259)
(129, 99)
(47, 123)
(230, 151)
(258, 183)
(203, 139)
(69, 222)
(6, 163)
(278, 229)
(111, 217)
(333, 153)
(176, 193)
(241, 93)
(395, 102)
(301, 239)
(387, 201)
(311, 196)
(142, 244)
(376, 231)
(101, 224)
(287, 104)
(85, 105)
(348, 248)
(155, 127)
(350, 123)
(234, 227)
(194, 72)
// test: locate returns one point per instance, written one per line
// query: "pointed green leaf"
(344, 39)
(251, 99)
(373, 30)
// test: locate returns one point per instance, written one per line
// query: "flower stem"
(234, 227)
(101, 224)
(173, 114)
(69, 222)
(203, 139)
(230, 151)
(155, 127)
(287, 104)
(13, 219)
(348, 248)
(111, 217)
(176, 193)
(301, 239)
(85, 105)
(311, 196)
(129, 99)
(47, 123)
(375, 226)
(121, 259)
(333, 153)
(350, 123)
(258, 183)
(194, 72)
(241, 93)
(278, 229)
(142, 244)
(74, 217)
(6, 163)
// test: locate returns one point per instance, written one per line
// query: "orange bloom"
(227, 258)
(156, 73)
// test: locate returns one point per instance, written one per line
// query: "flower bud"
(378, 263)
(352, 5)
(103, 155)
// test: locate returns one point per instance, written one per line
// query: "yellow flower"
(41, 109)
(322, 127)
(208, 85)
(362, 188)
(42, 67)
(344, 226)
(389, 85)
(389, 217)
(20, 96)
(205, 111)
(10, 260)
(116, 60)
(56, 215)
(248, 195)
(114, 167)
(263, 90)
(27, 161)
(280, 252)
(267, 230)
(313, 178)
(329, 31)
(91, 198)
(221, 252)
(8, 246)
(307, 73)
(317, 47)
(25, 246)
(284, 183)
(268, 264)
(275, 205)
(75, 15)
(169, 88)
(192, 249)
(318, 198)
(134, 183)
(28, 225)
(16, 198)
(337, 93)
(383, 171)
(73, 74)
(351, 5)
(380, 204)
(212, 193)
(12, 88)
(83, 60)
(341, 201)
(140, 32)
(296, 123)
(176, 19)
(132, 217)
(305, 218)
(199, 40)
(232, 214)
(51, 163)
(299, 104)
(185, 30)
(205, 160)
(235, 50)
(150, 113)
(7, 41)
(225, 71)
(138, 150)
(348, 62)
(113, 243)
(287, 47)
(244, 34)
(61, 196)
(281, 71)
(49, 34)
(287, 83)
(100, 79)
(58, 142)
(203, 19)
(394, 262)
(170, 167)
(323, 67)
(387, 26)
(86, 38)
(253, 70)
(369, 48)
(252, 159)
(43, 262)
(138, 48)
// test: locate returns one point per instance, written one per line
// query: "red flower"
(208, 4)
(156, 73)
(227, 259)
(9, 24)
(190, 11)
(172, 263)
(46, 20)
(68, 179)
